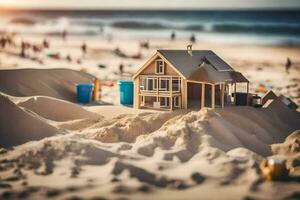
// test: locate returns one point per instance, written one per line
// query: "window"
(160, 68)
(142, 84)
(164, 84)
(176, 85)
(151, 84)
(176, 102)
(164, 101)
(148, 84)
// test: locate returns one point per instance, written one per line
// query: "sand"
(54, 148)
(18, 126)
(58, 83)
(55, 109)
(184, 154)
(290, 151)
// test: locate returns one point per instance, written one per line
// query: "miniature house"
(181, 79)
(270, 95)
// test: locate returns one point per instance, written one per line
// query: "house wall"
(136, 99)
(150, 70)
(184, 99)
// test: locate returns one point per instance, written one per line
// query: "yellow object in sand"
(96, 90)
(274, 169)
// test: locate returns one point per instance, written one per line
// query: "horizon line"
(5, 8)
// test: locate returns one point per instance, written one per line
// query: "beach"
(102, 61)
(53, 147)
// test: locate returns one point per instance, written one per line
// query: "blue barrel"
(84, 92)
(126, 92)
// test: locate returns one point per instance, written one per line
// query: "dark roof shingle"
(203, 65)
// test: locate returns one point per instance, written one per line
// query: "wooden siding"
(150, 69)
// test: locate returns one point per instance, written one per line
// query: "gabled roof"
(202, 66)
(267, 96)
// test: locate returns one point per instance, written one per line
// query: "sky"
(150, 4)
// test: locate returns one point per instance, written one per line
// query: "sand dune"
(58, 83)
(162, 154)
(222, 128)
(118, 152)
(55, 109)
(18, 126)
(184, 154)
(125, 171)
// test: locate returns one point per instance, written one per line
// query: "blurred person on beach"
(173, 36)
(36, 49)
(83, 49)
(2, 42)
(288, 65)
(121, 68)
(64, 35)
(68, 57)
(144, 45)
(193, 38)
(120, 53)
(23, 49)
(46, 44)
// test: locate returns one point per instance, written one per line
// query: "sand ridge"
(56, 109)
(18, 126)
(57, 83)
(184, 153)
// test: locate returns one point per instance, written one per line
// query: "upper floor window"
(176, 85)
(160, 68)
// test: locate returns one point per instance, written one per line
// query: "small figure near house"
(69, 59)
(193, 38)
(84, 48)
(121, 68)
(288, 65)
(23, 49)
(120, 53)
(36, 49)
(64, 35)
(46, 43)
(2, 42)
(144, 45)
(173, 35)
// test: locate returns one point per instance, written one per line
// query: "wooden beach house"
(181, 79)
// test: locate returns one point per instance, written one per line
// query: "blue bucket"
(126, 92)
(84, 92)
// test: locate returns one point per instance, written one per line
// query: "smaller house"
(270, 95)
(181, 79)
(270, 98)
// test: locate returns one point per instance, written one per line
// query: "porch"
(160, 92)
(203, 94)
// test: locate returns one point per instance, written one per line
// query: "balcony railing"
(160, 84)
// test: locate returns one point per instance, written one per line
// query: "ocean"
(234, 26)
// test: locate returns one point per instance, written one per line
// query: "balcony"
(162, 85)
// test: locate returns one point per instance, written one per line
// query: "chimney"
(190, 49)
